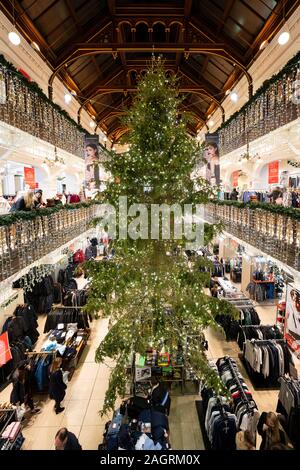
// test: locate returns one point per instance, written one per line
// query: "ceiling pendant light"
(13, 35)
(234, 96)
(284, 37)
(68, 98)
(14, 38)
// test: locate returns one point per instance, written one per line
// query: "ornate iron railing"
(24, 241)
(273, 233)
(25, 106)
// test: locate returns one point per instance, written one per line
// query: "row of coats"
(220, 424)
(66, 315)
(248, 316)
(75, 298)
(257, 332)
(289, 406)
(271, 358)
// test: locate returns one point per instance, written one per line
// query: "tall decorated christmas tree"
(153, 296)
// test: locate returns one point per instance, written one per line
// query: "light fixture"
(211, 123)
(198, 137)
(227, 92)
(92, 123)
(73, 93)
(284, 38)
(113, 148)
(208, 116)
(56, 161)
(234, 97)
(14, 38)
(35, 46)
(263, 45)
(68, 98)
(13, 35)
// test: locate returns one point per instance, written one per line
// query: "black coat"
(57, 386)
(158, 397)
(17, 393)
(72, 442)
(261, 422)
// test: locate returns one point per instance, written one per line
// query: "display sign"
(29, 177)
(273, 172)
(5, 354)
(211, 155)
(142, 373)
(235, 178)
(292, 319)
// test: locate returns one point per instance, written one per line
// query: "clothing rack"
(236, 377)
(40, 353)
(264, 342)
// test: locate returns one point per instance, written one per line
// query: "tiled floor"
(86, 391)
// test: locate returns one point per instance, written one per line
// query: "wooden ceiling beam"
(188, 8)
(112, 7)
(228, 7)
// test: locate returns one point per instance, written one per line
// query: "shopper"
(160, 397)
(234, 195)
(243, 441)
(57, 387)
(269, 429)
(38, 199)
(66, 440)
(21, 392)
(24, 203)
(276, 196)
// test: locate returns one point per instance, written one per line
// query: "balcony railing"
(33, 235)
(274, 233)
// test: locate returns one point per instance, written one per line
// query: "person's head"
(244, 440)
(212, 150)
(273, 426)
(29, 199)
(61, 438)
(38, 193)
(146, 427)
(56, 364)
(154, 380)
(91, 152)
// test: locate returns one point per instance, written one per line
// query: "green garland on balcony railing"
(273, 208)
(33, 86)
(9, 219)
(266, 84)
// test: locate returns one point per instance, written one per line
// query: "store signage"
(292, 319)
(29, 177)
(2, 89)
(235, 178)
(5, 354)
(274, 172)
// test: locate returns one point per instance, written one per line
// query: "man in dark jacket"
(66, 440)
(160, 397)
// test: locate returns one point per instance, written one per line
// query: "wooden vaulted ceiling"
(99, 47)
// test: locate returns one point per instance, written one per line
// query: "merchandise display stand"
(15, 442)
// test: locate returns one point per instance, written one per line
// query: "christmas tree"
(152, 294)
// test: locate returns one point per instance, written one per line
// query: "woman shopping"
(269, 429)
(57, 387)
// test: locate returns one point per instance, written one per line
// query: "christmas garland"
(34, 87)
(18, 216)
(262, 89)
(273, 208)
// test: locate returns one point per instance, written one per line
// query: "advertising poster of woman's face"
(91, 163)
(211, 155)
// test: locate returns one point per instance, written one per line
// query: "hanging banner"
(211, 155)
(273, 172)
(292, 319)
(5, 354)
(29, 177)
(235, 178)
(2, 89)
(92, 177)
